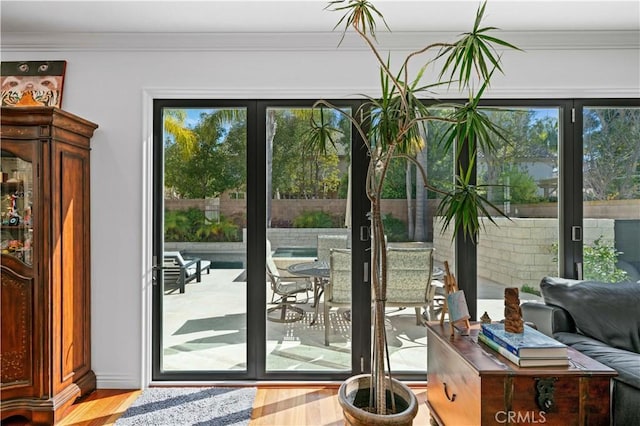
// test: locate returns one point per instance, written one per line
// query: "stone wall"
(301, 237)
(518, 251)
(609, 209)
(287, 210)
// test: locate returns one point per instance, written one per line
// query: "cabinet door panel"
(70, 255)
(17, 347)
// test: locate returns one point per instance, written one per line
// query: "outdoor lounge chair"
(181, 271)
(173, 277)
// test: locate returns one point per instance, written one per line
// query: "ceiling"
(283, 16)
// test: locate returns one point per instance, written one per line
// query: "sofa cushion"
(626, 363)
(606, 312)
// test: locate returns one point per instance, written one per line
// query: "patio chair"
(338, 291)
(188, 268)
(327, 242)
(409, 273)
(285, 293)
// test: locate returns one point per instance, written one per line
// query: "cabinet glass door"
(16, 206)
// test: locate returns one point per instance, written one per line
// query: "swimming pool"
(296, 252)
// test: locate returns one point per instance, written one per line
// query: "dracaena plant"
(392, 126)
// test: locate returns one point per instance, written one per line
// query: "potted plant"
(391, 124)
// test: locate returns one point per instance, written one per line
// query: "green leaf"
(360, 14)
(320, 134)
(474, 50)
(462, 207)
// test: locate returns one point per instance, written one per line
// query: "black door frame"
(569, 215)
(256, 246)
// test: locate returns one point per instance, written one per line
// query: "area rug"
(182, 406)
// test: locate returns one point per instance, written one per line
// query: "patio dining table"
(318, 271)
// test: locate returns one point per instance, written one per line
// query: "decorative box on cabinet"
(45, 351)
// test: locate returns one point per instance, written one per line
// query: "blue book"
(523, 362)
(529, 344)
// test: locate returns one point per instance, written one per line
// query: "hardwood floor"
(275, 405)
(311, 405)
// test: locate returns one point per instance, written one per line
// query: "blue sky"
(193, 115)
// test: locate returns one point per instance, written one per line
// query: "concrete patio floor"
(205, 330)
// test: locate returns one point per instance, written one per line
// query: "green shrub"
(176, 225)
(395, 229)
(531, 290)
(192, 226)
(599, 261)
(313, 219)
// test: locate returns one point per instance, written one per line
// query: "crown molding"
(304, 41)
(550, 92)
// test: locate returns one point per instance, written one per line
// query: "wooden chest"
(470, 384)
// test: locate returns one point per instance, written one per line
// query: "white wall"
(108, 78)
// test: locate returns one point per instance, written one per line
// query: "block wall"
(518, 251)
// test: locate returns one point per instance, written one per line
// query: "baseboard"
(118, 381)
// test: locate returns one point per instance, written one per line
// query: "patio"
(205, 330)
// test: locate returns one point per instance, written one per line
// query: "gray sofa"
(601, 320)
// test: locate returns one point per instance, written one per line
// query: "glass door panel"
(415, 244)
(16, 204)
(308, 326)
(611, 193)
(523, 175)
(203, 282)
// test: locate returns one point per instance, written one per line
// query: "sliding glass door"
(308, 327)
(610, 191)
(200, 286)
(241, 200)
(249, 207)
(522, 178)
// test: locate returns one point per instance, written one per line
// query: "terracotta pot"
(356, 389)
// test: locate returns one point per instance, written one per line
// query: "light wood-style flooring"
(275, 405)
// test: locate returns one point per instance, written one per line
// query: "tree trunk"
(407, 182)
(421, 192)
(271, 133)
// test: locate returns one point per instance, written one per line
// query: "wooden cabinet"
(45, 350)
(470, 384)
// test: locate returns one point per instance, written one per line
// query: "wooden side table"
(470, 384)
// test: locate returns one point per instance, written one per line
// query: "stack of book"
(528, 349)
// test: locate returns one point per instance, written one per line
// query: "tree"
(612, 153)
(529, 140)
(303, 167)
(213, 161)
